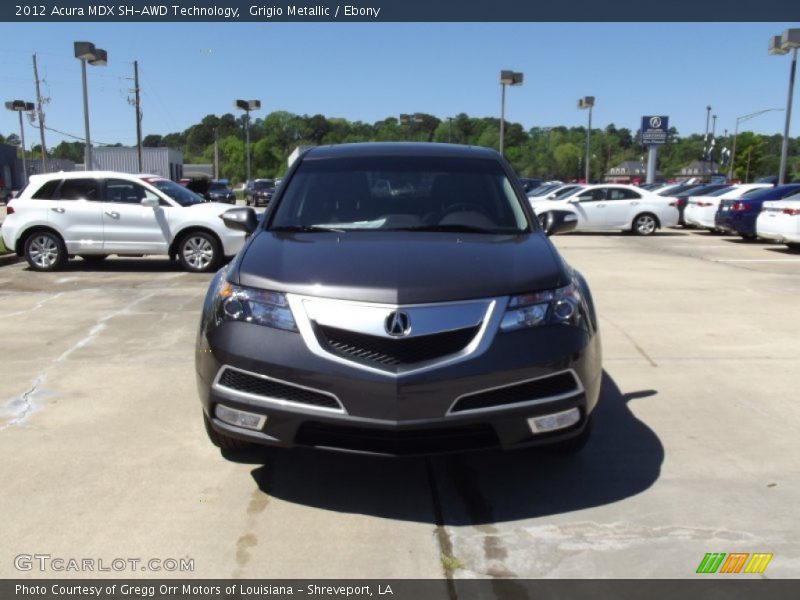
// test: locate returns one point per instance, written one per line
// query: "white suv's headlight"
(559, 306)
(250, 305)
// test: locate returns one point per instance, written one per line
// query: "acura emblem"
(397, 324)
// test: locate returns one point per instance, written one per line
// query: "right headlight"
(559, 306)
(251, 305)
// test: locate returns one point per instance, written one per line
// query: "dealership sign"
(654, 130)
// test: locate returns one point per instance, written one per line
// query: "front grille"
(258, 386)
(389, 352)
(397, 442)
(545, 387)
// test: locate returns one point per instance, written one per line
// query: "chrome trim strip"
(270, 400)
(495, 308)
(578, 390)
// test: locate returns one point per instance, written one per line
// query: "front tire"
(645, 224)
(45, 251)
(199, 252)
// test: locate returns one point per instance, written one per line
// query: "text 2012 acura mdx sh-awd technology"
(398, 299)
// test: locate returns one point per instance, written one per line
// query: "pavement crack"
(630, 338)
(22, 406)
(445, 543)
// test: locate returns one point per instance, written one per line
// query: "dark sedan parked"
(739, 216)
(437, 320)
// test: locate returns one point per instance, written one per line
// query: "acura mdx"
(399, 299)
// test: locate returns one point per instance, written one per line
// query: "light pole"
(781, 44)
(97, 57)
(21, 106)
(506, 78)
(736, 133)
(247, 106)
(584, 103)
(705, 143)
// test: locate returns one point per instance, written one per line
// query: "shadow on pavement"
(658, 233)
(123, 265)
(622, 459)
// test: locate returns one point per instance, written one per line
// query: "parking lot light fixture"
(97, 57)
(21, 106)
(247, 106)
(587, 102)
(742, 119)
(506, 78)
(782, 44)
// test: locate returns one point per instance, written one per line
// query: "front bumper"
(400, 414)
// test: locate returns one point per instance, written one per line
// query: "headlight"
(560, 306)
(249, 305)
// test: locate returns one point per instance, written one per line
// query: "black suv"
(435, 317)
(259, 192)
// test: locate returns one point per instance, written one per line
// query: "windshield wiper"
(457, 228)
(301, 228)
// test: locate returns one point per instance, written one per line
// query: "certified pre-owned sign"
(654, 130)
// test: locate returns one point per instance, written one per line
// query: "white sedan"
(779, 220)
(700, 210)
(93, 214)
(612, 206)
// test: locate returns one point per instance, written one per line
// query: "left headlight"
(559, 306)
(250, 305)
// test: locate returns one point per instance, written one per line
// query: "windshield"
(178, 193)
(400, 193)
(263, 185)
(217, 186)
(566, 191)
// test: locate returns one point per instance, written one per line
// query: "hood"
(208, 208)
(400, 267)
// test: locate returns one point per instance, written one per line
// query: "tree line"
(544, 152)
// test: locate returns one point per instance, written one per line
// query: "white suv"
(610, 206)
(92, 214)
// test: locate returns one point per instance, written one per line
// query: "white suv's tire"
(199, 252)
(45, 251)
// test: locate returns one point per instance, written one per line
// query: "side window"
(631, 195)
(593, 195)
(122, 191)
(80, 189)
(47, 191)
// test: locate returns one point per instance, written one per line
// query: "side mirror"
(241, 219)
(149, 202)
(556, 222)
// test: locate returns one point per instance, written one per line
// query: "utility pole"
(40, 114)
(705, 143)
(138, 115)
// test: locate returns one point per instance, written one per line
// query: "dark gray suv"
(398, 299)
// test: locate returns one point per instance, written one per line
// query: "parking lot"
(694, 450)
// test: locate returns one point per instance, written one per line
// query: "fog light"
(559, 420)
(240, 418)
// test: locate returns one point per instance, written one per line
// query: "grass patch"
(450, 564)
(3, 249)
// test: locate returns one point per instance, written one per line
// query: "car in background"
(779, 220)
(613, 206)
(739, 216)
(259, 192)
(212, 190)
(220, 191)
(651, 187)
(544, 189)
(530, 184)
(681, 195)
(93, 214)
(335, 329)
(700, 211)
(560, 192)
